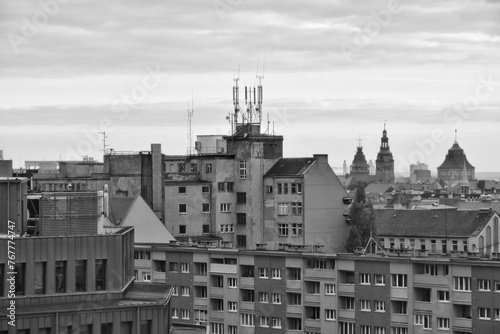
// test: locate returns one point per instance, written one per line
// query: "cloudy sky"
(334, 70)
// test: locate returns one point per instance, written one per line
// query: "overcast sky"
(334, 70)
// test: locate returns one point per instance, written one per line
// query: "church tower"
(359, 165)
(385, 162)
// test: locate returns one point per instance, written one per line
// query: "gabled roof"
(379, 188)
(148, 229)
(462, 205)
(431, 223)
(290, 166)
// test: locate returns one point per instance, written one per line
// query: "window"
(175, 290)
(346, 303)
(275, 322)
(205, 228)
(263, 273)
(443, 296)
(39, 279)
(280, 188)
(247, 271)
(399, 330)
(243, 169)
(200, 315)
(365, 279)
(294, 298)
(247, 319)
(208, 168)
(329, 289)
(312, 287)
(464, 243)
(399, 306)
(205, 207)
(294, 324)
(241, 198)
(80, 275)
(497, 314)
(106, 328)
(312, 312)
(194, 168)
(454, 245)
(217, 281)
(227, 228)
(296, 188)
(241, 218)
(182, 209)
(200, 291)
(185, 314)
(263, 297)
(330, 315)
(232, 282)
(283, 209)
(232, 306)
(365, 329)
(443, 323)
(60, 277)
(146, 277)
(365, 305)
(423, 320)
(296, 208)
(347, 327)
(293, 274)
(379, 330)
(484, 313)
(225, 207)
(182, 191)
(399, 280)
(296, 229)
(226, 186)
(483, 285)
(276, 298)
(347, 277)
(174, 266)
(185, 290)
(269, 189)
(285, 188)
(216, 328)
(379, 306)
(247, 295)
(200, 268)
(497, 286)
(217, 304)
(379, 279)
(182, 229)
(184, 267)
(283, 230)
(461, 283)
(422, 244)
(100, 274)
(175, 313)
(263, 321)
(430, 269)
(422, 294)
(276, 273)
(231, 329)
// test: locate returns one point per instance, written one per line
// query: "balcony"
(200, 279)
(247, 306)
(319, 273)
(159, 277)
(399, 318)
(422, 306)
(346, 288)
(294, 286)
(399, 292)
(426, 280)
(462, 323)
(462, 297)
(223, 268)
(200, 302)
(247, 282)
(347, 314)
(312, 298)
(216, 316)
(216, 292)
(313, 324)
(294, 309)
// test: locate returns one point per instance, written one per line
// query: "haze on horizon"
(428, 69)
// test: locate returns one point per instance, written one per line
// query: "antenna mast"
(190, 133)
(258, 108)
(103, 141)
(236, 102)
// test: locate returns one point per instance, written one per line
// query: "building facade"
(384, 164)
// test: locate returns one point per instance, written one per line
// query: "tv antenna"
(258, 108)
(236, 103)
(189, 132)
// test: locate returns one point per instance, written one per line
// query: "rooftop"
(290, 166)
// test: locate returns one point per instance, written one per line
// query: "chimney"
(321, 158)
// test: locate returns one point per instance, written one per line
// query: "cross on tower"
(359, 141)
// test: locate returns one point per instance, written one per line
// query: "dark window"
(226, 186)
(1, 279)
(269, 189)
(182, 229)
(241, 198)
(206, 228)
(241, 218)
(20, 278)
(247, 271)
(39, 278)
(126, 327)
(208, 168)
(60, 276)
(182, 208)
(205, 189)
(194, 168)
(100, 274)
(241, 240)
(182, 190)
(80, 275)
(205, 207)
(106, 328)
(230, 186)
(145, 327)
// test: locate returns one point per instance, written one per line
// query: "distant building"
(385, 162)
(419, 172)
(359, 165)
(452, 168)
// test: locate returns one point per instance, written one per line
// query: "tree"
(362, 220)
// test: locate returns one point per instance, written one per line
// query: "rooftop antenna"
(104, 142)
(190, 133)
(236, 101)
(259, 87)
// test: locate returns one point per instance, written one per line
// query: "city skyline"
(82, 66)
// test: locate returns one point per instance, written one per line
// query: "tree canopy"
(362, 220)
